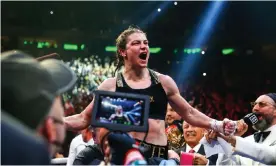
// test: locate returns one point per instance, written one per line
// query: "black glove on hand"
(120, 144)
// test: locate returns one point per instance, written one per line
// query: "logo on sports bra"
(151, 99)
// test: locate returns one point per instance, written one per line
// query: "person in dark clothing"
(91, 155)
(31, 93)
(19, 145)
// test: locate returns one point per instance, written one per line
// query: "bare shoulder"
(161, 76)
(167, 83)
(164, 79)
(108, 84)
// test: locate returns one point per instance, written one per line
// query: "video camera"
(122, 112)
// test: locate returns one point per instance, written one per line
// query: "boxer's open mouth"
(143, 56)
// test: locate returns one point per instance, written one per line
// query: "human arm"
(82, 120)
(111, 117)
(79, 121)
(218, 151)
(187, 112)
(258, 152)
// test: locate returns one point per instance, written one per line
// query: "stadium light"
(152, 50)
(155, 50)
(110, 48)
(82, 47)
(70, 47)
(227, 51)
(192, 50)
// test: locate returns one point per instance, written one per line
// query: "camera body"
(122, 112)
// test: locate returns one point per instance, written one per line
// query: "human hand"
(173, 154)
(229, 127)
(242, 127)
(211, 135)
(199, 159)
(230, 139)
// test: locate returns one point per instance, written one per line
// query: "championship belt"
(175, 136)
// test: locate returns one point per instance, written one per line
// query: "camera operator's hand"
(120, 145)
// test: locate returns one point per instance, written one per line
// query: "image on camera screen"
(124, 111)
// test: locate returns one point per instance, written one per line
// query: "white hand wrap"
(217, 125)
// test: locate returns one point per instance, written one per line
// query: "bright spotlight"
(51, 12)
(204, 74)
(175, 3)
(159, 10)
(202, 52)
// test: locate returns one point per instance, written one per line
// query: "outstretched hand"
(229, 127)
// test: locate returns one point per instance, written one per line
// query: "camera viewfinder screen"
(125, 111)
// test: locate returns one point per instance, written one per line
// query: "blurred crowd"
(91, 72)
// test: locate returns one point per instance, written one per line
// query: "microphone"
(251, 119)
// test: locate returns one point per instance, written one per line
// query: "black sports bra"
(158, 97)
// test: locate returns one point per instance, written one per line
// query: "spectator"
(20, 146)
(192, 137)
(92, 154)
(79, 143)
(259, 148)
(31, 92)
(171, 116)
